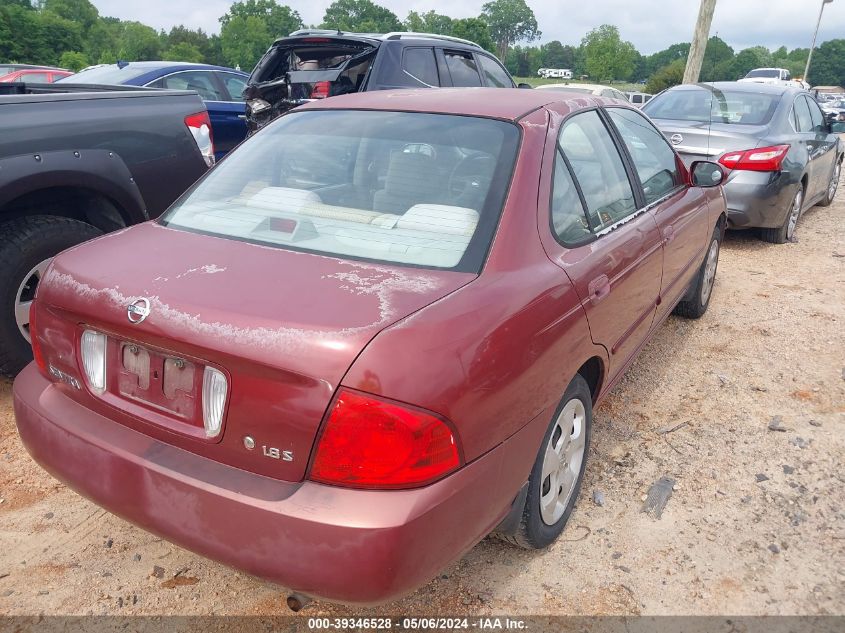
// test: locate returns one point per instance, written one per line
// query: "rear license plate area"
(163, 382)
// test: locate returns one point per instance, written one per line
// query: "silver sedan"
(781, 154)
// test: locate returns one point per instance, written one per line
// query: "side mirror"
(707, 174)
(838, 127)
(526, 86)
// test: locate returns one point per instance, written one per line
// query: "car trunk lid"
(283, 327)
(708, 141)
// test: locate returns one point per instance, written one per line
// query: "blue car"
(218, 86)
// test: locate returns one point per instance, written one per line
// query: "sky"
(651, 25)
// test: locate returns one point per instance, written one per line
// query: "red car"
(372, 335)
(36, 75)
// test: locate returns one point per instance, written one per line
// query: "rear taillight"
(93, 351)
(758, 159)
(214, 390)
(321, 90)
(200, 126)
(368, 442)
(37, 353)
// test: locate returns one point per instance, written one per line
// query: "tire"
(695, 302)
(541, 523)
(26, 247)
(785, 232)
(833, 186)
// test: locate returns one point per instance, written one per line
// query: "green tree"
(718, 58)
(103, 41)
(828, 65)
(429, 22)
(360, 15)
(280, 20)
(183, 52)
(607, 56)
(81, 12)
(666, 77)
(139, 42)
(73, 60)
(658, 60)
(474, 30)
(748, 59)
(556, 55)
(510, 21)
(243, 41)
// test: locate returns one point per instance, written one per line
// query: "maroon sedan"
(372, 335)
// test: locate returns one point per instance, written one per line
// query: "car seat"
(411, 179)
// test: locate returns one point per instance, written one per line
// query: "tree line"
(72, 34)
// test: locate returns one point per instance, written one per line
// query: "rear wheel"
(555, 479)
(26, 247)
(694, 305)
(833, 185)
(786, 232)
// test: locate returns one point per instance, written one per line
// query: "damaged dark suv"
(315, 64)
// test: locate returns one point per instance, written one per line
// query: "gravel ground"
(756, 524)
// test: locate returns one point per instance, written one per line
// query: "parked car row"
(376, 332)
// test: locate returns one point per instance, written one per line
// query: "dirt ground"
(756, 524)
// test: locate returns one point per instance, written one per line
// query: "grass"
(539, 81)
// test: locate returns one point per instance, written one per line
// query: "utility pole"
(815, 34)
(699, 41)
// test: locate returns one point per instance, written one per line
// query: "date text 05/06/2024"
(417, 624)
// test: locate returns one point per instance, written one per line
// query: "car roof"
(160, 65)
(498, 103)
(738, 86)
(374, 38)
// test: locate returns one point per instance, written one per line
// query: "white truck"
(773, 76)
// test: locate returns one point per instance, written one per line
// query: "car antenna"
(122, 63)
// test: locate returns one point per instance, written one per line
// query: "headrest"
(440, 218)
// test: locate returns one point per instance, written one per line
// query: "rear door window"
(462, 68)
(569, 220)
(494, 75)
(815, 114)
(599, 169)
(653, 159)
(200, 82)
(421, 65)
(234, 85)
(803, 119)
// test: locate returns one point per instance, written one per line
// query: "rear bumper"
(353, 546)
(758, 199)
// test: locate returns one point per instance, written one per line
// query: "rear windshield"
(713, 106)
(107, 75)
(419, 189)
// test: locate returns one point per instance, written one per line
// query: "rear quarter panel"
(147, 131)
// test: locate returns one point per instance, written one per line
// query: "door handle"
(598, 288)
(242, 116)
(668, 233)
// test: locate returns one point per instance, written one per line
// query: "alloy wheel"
(794, 214)
(710, 271)
(834, 181)
(562, 461)
(26, 294)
